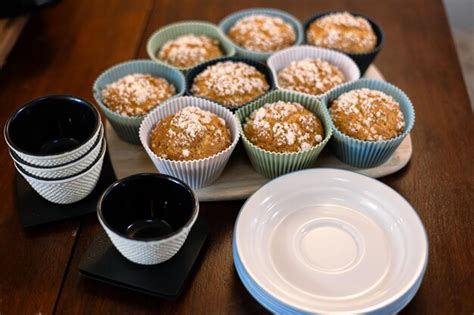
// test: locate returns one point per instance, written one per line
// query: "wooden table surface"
(64, 48)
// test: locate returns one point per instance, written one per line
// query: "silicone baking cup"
(272, 164)
(231, 19)
(172, 31)
(284, 57)
(367, 154)
(363, 60)
(258, 65)
(195, 173)
(127, 127)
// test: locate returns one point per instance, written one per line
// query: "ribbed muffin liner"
(127, 127)
(231, 19)
(363, 60)
(367, 154)
(284, 57)
(67, 170)
(273, 164)
(70, 189)
(258, 65)
(195, 173)
(172, 31)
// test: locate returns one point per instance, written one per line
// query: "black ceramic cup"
(52, 125)
(148, 216)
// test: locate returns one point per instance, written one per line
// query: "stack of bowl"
(57, 144)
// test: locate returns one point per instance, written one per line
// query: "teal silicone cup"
(367, 154)
(127, 127)
(273, 164)
(172, 31)
(230, 20)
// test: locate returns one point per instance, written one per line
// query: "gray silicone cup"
(368, 154)
(273, 164)
(172, 31)
(230, 20)
(127, 127)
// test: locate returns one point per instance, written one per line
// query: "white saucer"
(327, 240)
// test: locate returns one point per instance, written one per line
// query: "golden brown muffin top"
(136, 94)
(342, 31)
(190, 134)
(262, 33)
(230, 83)
(189, 50)
(283, 127)
(311, 76)
(367, 114)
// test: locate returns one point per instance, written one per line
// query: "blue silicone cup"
(230, 20)
(363, 60)
(367, 154)
(127, 127)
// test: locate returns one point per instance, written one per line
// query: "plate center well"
(328, 248)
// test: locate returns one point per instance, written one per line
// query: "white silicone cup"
(70, 190)
(283, 58)
(60, 159)
(69, 169)
(150, 252)
(196, 173)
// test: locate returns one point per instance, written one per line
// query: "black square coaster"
(35, 210)
(166, 280)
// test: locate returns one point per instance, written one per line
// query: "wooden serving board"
(239, 179)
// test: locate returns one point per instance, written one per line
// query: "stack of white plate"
(329, 241)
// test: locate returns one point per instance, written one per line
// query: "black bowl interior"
(52, 125)
(147, 206)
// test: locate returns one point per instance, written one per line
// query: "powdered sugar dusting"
(263, 33)
(311, 76)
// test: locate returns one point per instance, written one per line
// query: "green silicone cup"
(172, 31)
(273, 164)
(127, 127)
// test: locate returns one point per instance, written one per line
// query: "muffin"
(262, 33)
(368, 115)
(230, 83)
(190, 134)
(136, 94)
(189, 50)
(311, 76)
(283, 127)
(342, 31)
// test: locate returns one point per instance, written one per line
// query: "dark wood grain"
(419, 57)
(61, 51)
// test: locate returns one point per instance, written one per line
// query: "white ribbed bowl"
(67, 190)
(70, 169)
(149, 252)
(59, 159)
(197, 173)
(283, 58)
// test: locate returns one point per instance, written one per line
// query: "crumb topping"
(189, 50)
(263, 33)
(136, 94)
(367, 115)
(190, 134)
(311, 76)
(283, 127)
(230, 83)
(342, 31)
